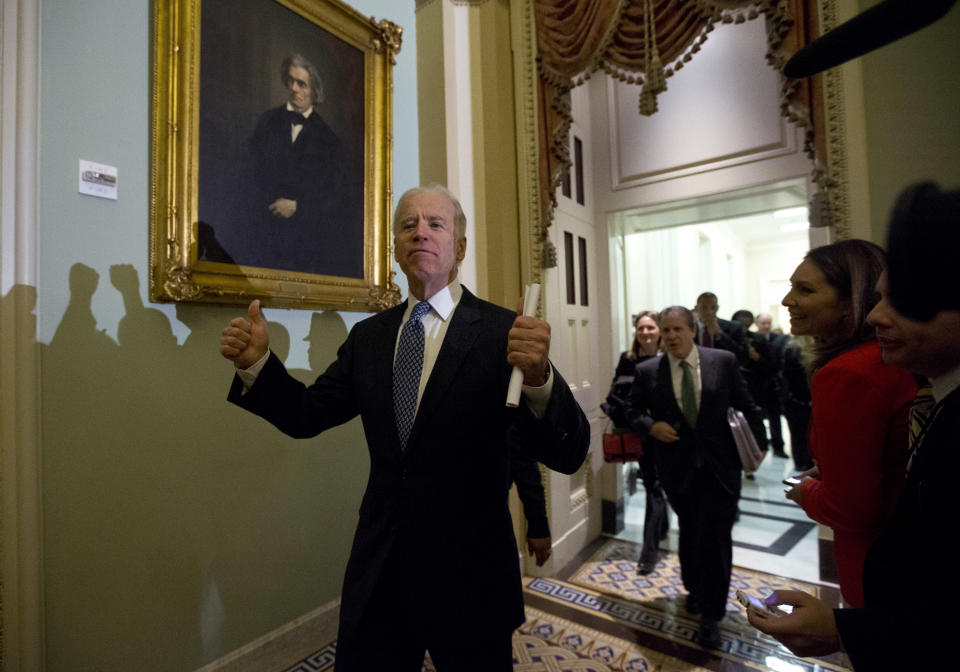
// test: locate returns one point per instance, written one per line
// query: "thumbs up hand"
(244, 341)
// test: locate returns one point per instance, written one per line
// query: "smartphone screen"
(755, 602)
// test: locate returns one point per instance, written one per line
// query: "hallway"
(598, 614)
(773, 534)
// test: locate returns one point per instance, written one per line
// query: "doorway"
(743, 246)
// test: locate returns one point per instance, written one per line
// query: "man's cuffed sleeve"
(249, 375)
(538, 398)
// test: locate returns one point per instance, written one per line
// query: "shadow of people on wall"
(21, 351)
(327, 332)
(18, 307)
(77, 331)
(163, 504)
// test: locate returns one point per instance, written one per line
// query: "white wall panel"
(721, 109)
(718, 128)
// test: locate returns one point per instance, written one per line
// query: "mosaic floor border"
(668, 620)
(607, 589)
(549, 643)
(612, 569)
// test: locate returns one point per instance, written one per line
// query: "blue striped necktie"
(407, 368)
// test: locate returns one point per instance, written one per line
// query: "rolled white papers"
(531, 296)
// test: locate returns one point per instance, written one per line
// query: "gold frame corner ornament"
(176, 273)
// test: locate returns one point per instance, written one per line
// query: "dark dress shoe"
(644, 567)
(708, 634)
(692, 604)
(779, 453)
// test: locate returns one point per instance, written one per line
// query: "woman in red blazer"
(858, 427)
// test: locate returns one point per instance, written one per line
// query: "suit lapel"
(665, 387)
(708, 380)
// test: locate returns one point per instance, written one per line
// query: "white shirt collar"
(442, 303)
(305, 114)
(693, 358)
(945, 384)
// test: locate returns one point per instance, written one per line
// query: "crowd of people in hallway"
(868, 385)
(674, 386)
(868, 346)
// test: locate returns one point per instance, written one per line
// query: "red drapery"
(644, 42)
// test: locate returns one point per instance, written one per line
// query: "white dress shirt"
(945, 384)
(435, 323)
(296, 128)
(676, 375)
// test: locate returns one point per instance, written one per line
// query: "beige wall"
(176, 528)
(912, 107)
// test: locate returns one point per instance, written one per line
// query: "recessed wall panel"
(720, 109)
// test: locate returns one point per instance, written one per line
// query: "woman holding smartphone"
(858, 426)
(646, 344)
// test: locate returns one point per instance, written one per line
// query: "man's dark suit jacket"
(909, 578)
(711, 445)
(448, 491)
(732, 338)
(525, 472)
(763, 374)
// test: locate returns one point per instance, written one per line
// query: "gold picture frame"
(222, 78)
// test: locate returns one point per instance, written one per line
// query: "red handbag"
(620, 445)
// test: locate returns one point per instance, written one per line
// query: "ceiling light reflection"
(790, 213)
(780, 665)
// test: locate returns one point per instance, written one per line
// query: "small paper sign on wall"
(97, 179)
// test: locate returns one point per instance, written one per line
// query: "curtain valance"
(645, 42)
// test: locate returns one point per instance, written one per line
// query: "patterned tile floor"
(603, 617)
(651, 608)
(548, 643)
(773, 534)
(613, 570)
(598, 615)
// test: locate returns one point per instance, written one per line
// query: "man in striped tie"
(429, 380)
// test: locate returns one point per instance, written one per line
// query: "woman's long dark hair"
(852, 268)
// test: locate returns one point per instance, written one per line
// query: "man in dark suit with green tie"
(679, 402)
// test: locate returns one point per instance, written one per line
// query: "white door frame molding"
(21, 524)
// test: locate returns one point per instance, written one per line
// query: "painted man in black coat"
(304, 208)
(439, 475)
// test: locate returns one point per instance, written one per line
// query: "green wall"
(176, 527)
(912, 105)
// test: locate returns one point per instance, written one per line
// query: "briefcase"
(750, 454)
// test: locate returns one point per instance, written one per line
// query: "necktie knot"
(419, 311)
(296, 118)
